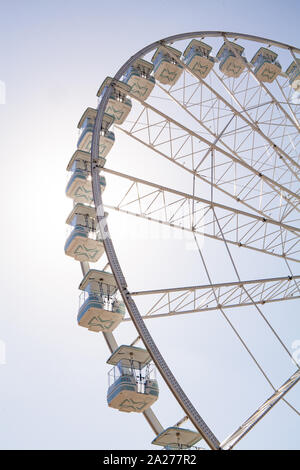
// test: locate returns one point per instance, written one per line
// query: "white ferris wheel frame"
(190, 412)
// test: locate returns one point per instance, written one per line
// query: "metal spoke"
(235, 170)
(171, 207)
(231, 441)
(243, 114)
(229, 295)
(265, 88)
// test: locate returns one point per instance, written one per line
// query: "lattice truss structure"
(179, 301)
(255, 140)
(194, 214)
(247, 167)
(237, 139)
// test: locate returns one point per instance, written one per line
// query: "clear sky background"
(54, 55)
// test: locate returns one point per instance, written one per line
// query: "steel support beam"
(232, 440)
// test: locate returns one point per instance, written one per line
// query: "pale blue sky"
(54, 55)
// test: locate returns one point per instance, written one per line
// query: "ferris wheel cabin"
(100, 309)
(86, 126)
(118, 105)
(139, 78)
(293, 72)
(266, 67)
(197, 58)
(231, 61)
(132, 383)
(79, 187)
(177, 438)
(81, 243)
(167, 70)
(84, 158)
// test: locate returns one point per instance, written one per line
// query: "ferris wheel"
(219, 115)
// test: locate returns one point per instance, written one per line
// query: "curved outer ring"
(134, 313)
